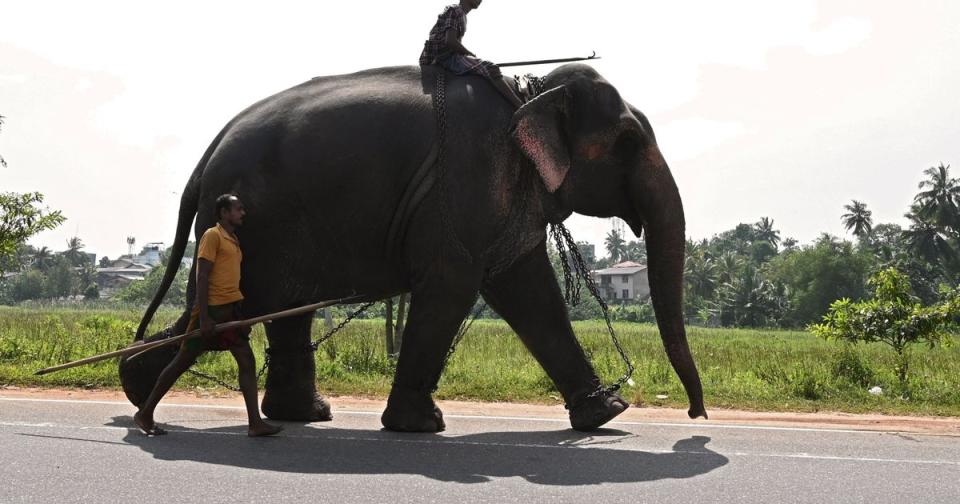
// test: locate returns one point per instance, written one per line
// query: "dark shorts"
(461, 64)
(223, 340)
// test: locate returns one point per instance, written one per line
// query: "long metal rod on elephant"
(549, 61)
(138, 349)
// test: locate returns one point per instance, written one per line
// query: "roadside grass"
(768, 370)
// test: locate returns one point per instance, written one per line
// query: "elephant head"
(598, 156)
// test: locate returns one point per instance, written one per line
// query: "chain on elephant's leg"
(291, 392)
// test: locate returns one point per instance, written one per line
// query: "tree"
(86, 277)
(893, 316)
(142, 291)
(818, 274)
(615, 245)
(857, 218)
(20, 219)
(766, 232)
(700, 274)
(635, 251)
(60, 280)
(74, 252)
(936, 203)
(728, 267)
(28, 285)
(750, 300)
(42, 258)
(931, 242)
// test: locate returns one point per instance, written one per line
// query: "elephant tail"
(189, 202)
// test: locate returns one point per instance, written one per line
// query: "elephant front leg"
(291, 390)
(528, 298)
(436, 312)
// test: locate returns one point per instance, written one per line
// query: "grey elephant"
(349, 189)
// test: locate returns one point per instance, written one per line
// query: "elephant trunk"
(660, 210)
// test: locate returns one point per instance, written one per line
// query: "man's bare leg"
(246, 376)
(179, 365)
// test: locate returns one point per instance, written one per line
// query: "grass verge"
(767, 370)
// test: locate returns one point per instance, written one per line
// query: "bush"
(849, 366)
(894, 316)
(806, 384)
(633, 313)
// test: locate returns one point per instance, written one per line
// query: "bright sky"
(785, 109)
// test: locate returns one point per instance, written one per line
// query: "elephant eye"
(627, 146)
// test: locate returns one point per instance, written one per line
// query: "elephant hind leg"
(436, 311)
(291, 392)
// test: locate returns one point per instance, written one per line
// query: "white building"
(150, 255)
(626, 281)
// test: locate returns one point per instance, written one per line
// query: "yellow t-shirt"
(223, 250)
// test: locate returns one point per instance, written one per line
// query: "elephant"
(356, 185)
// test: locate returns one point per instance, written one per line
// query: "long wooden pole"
(143, 347)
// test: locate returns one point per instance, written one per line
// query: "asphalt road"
(88, 451)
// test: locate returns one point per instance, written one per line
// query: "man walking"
(218, 300)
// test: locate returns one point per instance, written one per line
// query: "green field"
(745, 369)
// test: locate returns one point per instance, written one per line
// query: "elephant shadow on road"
(544, 457)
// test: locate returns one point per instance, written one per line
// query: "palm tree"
(858, 218)
(73, 252)
(766, 232)
(635, 251)
(728, 267)
(615, 245)
(42, 258)
(936, 203)
(928, 241)
(701, 275)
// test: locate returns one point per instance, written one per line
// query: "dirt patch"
(947, 426)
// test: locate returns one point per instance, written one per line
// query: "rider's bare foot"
(147, 425)
(263, 429)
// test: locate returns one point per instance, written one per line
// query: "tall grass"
(740, 368)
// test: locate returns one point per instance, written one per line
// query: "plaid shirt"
(453, 18)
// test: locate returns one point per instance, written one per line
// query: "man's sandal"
(150, 431)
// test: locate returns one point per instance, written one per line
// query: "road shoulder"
(947, 426)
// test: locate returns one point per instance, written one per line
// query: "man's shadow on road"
(548, 457)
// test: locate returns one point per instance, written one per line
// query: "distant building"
(120, 274)
(626, 281)
(150, 255)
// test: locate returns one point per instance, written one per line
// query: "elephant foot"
(291, 392)
(139, 375)
(412, 411)
(305, 405)
(590, 413)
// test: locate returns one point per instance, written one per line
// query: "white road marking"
(455, 441)
(700, 425)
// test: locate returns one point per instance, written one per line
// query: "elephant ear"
(538, 130)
